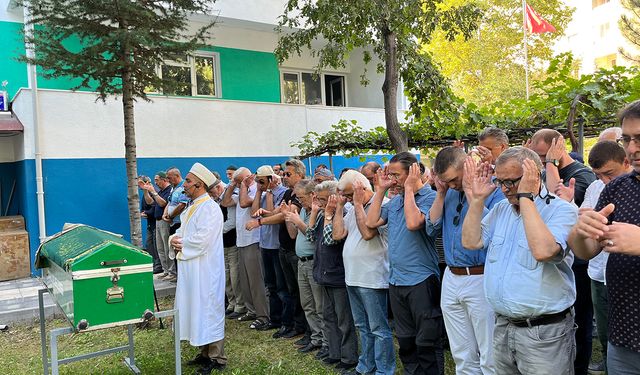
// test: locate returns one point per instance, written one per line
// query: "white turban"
(203, 174)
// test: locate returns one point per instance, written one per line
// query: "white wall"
(73, 125)
(263, 11)
(369, 96)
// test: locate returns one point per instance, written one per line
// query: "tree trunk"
(133, 199)
(397, 136)
(571, 120)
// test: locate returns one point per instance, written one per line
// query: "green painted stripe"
(244, 74)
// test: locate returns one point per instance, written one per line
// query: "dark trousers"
(338, 325)
(150, 247)
(280, 305)
(289, 264)
(600, 299)
(419, 325)
(172, 230)
(583, 318)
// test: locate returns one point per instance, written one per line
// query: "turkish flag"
(535, 24)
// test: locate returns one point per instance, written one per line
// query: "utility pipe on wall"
(35, 109)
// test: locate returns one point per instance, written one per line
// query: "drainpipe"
(35, 110)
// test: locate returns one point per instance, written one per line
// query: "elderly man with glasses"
(467, 316)
(528, 279)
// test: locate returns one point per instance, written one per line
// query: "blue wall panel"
(94, 191)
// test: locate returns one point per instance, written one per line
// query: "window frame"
(321, 77)
(191, 64)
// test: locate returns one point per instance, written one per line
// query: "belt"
(305, 259)
(540, 320)
(475, 270)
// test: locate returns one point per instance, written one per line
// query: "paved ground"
(19, 299)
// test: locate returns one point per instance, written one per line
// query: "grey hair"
(240, 171)
(496, 133)
(305, 185)
(175, 170)
(297, 165)
(519, 154)
(351, 176)
(329, 185)
(616, 130)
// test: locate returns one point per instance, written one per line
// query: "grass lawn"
(249, 352)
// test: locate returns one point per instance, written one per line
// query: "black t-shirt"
(164, 194)
(583, 175)
(286, 242)
(623, 271)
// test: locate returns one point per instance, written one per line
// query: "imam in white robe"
(200, 289)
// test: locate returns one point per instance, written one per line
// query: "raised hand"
(557, 149)
(358, 193)
(441, 187)
(530, 182)
(381, 180)
(330, 208)
(565, 192)
(485, 154)
(315, 204)
(481, 185)
(261, 212)
(527, 144)
(471, 169)
(248, 181)
(592, 224)
(414, 179)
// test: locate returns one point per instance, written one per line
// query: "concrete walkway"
(19, 299)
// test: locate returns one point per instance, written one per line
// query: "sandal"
(259, 324)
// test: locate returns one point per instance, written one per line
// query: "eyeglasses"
(625, 140)
(288, 174)
(456, 219)
(507, 183)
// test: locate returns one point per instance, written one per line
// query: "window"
(606, 62)
(597, 3)
(198, 75)
(604, 30)
(307, 88)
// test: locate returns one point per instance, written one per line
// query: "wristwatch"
(555, 162)
(525, 195)
(329, 218)
(268, 190)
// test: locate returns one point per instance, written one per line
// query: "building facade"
(238, 106)
(594, 37)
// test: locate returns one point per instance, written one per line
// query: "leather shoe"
(234, 315)
(267, 326)
(291, 334)
(330, 361)
(281, 332)
(199, 360)
(303, 341)
(323, 353)
(207, 369)
(345, 366)
(309, 348)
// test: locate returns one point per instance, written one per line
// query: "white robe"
(200, 289)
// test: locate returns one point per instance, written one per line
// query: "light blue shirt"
(454, 254)
(412, 254)
(270, 233)
(515, 283)
(176, 197)
(304, 247)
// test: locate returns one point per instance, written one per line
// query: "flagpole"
(526, 55)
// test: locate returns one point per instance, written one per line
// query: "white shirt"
(200, 288)
(366, 263)
(243, 215)
(598, 264)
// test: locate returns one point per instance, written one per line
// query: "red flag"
(535, 24)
